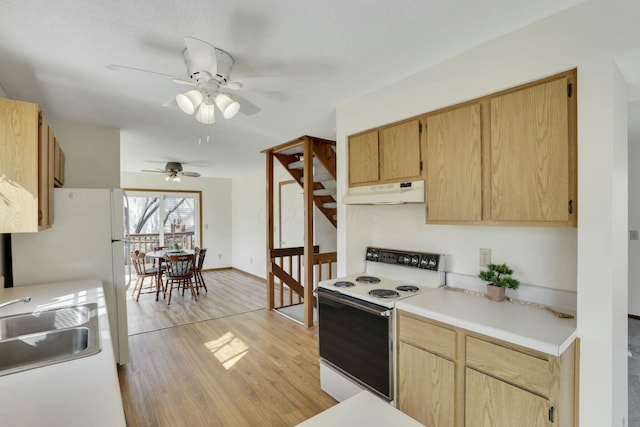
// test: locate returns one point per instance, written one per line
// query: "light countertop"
(79, 392)
(363, 409)
(526, 325)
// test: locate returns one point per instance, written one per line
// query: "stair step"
(330, 205)
(300, 164)
(320, 177)
(325, 192)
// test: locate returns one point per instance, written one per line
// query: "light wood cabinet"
(507, 158)
(363, 159)
(490, 402)
(427, 395)
(389, 154)
(26, 168)
(58, 169)
(532, 168)
(454, 165)
(448, 376)
(400, 154)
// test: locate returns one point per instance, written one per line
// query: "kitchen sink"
(41, 321)
(34, 340)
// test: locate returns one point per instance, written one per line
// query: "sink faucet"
(13, 301)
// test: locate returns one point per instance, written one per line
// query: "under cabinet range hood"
(386, 194)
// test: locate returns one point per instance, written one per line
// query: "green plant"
(499, 275)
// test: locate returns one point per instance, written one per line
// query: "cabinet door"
(400, 157)
(493, 403)
(454, 165)
(425, 386)
(363, 158)
(530, 154)
(18, 166)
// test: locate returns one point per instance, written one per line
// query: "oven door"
(355, 337)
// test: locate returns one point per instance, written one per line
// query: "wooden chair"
(200, 254)
(138, 259)
(180, 272)
(155, 249)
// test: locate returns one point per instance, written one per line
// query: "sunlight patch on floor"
(228, 349)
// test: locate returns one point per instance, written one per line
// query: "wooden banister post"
(270, 242)
(308, 232)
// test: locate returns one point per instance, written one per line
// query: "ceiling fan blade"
(154, 171)
(170, 103)
(202, 54)
(140, 70)
(185, 82)
(246, 107)
(193, 174)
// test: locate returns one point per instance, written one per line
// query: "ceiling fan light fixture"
(228, 106)
(189, 101)
(206, 114)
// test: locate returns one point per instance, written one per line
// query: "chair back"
(180, 266)
(201, 254)
(138, 261)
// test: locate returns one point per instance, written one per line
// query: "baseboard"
(253, 276)
(216, 269)
(633, 316)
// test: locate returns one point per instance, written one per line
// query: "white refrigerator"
(87, 240)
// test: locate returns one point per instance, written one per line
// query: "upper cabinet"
(27, 162)
(454, 165)
(509, 158)
(400, 158)
(389, 154)
(532, 167)
(58, 164)
(363, 159)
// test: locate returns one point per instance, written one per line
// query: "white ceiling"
(298, 60)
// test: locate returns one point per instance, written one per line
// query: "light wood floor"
(229, 292)
(255, 368)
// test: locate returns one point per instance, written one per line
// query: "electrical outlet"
(633, 234)
(219, 256)
(485, 257)
(250, 260)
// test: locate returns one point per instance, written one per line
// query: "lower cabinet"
(448, 376)
(490, 402)
(427, 395)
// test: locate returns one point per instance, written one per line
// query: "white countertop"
(79, 392)
(526, 325)
(363, 410)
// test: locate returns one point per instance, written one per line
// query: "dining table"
(159, 255)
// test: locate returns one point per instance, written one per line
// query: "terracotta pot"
(495, 293)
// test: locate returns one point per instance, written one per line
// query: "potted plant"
(498, 278)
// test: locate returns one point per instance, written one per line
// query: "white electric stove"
(356, 328)
(391, 275)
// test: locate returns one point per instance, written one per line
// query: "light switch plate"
(633, 234)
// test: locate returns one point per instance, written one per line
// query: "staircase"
(324, 174)
(312, 163)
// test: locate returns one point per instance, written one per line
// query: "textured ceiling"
(298, 61)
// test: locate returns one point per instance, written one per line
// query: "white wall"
(250, 224)
(92, 154)
(216, 210)
(590, 259)
(634, 212)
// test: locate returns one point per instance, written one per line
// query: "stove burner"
(367, 279)
(384, 293)
(343, 284)
(408, 288)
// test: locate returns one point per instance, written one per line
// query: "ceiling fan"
(208, 69)
(174, 171)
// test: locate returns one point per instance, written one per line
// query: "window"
(161, 218)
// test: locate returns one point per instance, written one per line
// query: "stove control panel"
(427, 261)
